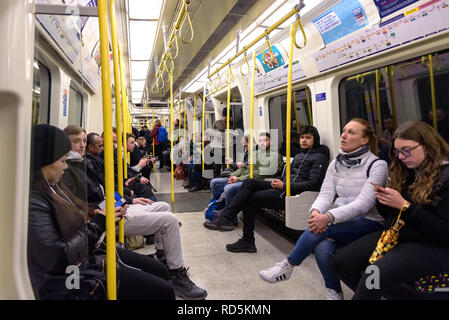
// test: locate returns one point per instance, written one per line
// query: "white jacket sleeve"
(327, 192)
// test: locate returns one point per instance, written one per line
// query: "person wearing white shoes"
(344, 209)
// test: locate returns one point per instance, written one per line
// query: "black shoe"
(149, 239)
(159, 255)
(221, 223)
(188, 186)
(242, 245)
(194, 189)
(184, 287)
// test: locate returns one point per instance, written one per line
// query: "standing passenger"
(344, 209)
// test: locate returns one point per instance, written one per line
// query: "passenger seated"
(60, 235)
(344, 209)
(194, 167)
(307, 173)
(138, 162)
(419, 163)
(385, 140)
(145, 217)
(442, 122)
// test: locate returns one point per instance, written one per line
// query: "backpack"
(180, 173)
(210, 209)
(134, 242)
(162, 134)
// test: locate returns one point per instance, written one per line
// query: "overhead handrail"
(118, 112)
(111, 271)
(217, 90)
(245, 59)
(187, 16)
(292, 12)
(429, 65)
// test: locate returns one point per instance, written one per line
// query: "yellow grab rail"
(432, 87)
(194, 117)
(228, 116)
(241, 66)
(118, 112)
(379, 114)
(154, 163)
(108, 151)
(295, 10)
(171, 137)
(270, 50)
(296, 111)
(309, 106)
(390, 72)
(299, 24)
(251, 123)
(175, 39)
(202, 128)
(185, 124)
(187, 16)
(124, 107)
(289, 111)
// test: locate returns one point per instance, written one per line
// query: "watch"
(331, 218)
(406, 205)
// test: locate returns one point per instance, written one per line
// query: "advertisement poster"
(387, 7)
(273, 60)
(346, 17)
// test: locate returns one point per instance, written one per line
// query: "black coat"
(48, 253)
(423, 223)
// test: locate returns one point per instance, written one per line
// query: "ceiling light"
(139, 70)
(142, 34)
(137, 85)
(145, 9)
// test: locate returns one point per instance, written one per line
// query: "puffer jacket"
(351, 189)
(48, 253)
(268, 164)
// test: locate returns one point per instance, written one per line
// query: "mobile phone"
(376, 186)
(119, 200)
(138, 176)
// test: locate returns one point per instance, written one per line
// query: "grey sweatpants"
(141, 220)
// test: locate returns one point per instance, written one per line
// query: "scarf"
(351, 159)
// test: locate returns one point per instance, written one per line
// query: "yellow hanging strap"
(251, 133)
(228, 118)
(202, 128)
(187, 16)
(379, 114)
(390, 72)
(118, 113)
(299, 25)
(296, 111)
(432, 87)
(289, 111)
(245, 60)
(175, 39)
(108, 151)
(267, 42)
(171, 136)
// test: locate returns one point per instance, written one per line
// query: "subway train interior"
(121, 68)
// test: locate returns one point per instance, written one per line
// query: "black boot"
(221, 223)
(242, 245)
(184, 287)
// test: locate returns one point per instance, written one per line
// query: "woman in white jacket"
(345, 208)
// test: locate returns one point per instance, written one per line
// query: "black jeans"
(253, 194)
(405, 263)
(143, 278)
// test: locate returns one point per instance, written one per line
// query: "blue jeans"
(342, 233)
(230, 190)
(217, 186)
(194, 173)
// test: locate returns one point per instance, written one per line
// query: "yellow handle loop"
(220, 84)
(263, 51)
(360, 78)
(245, 59)
(172, 62)
(229, 75)
(187, 16)
(165, 70)
(157, 86)
(175, 39)
(299, 24)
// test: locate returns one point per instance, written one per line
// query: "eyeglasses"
(404, 152)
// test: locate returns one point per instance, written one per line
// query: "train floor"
(234, 276)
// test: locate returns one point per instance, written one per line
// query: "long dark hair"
(436, 149)
(70, 212)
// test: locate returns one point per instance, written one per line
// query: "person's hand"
(239, 164)
(314, 213)
(143, 201)
(319, 223)
(232, 179)
(389, 197)
(277, 184)
(153, 160)
(144, 180)
(130, 181)
(120, 212)
(229, 160)
(143, 162)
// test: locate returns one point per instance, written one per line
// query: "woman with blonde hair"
(415, 239)
(344, 209)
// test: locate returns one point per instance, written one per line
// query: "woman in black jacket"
(416, 205)
(60, 237)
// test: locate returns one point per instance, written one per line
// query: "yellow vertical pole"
(171, 140)
(124, 108)
(194, 116)
(308, 106)
(108, 151)
(154, 164)
(202, 126)
(296, 112)
(118, 113)
(432, 91)
(185, 122)
(379, 114)
(251, 121)
(228, 116)
(392, 95)
(289, 110)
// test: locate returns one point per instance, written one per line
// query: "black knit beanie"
(49, 144)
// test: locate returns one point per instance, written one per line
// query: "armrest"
(297, 209)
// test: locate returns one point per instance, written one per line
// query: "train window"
(404, 95)
(301, 114)
(76, 106)
(41, 93)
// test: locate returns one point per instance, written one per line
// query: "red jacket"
(154, 135)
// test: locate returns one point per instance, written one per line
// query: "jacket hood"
(74, 156)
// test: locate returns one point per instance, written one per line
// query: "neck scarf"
(353, 158)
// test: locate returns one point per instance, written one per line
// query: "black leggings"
(143, 278)
(405, 263)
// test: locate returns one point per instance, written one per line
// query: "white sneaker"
(281, 271)
(333, 295)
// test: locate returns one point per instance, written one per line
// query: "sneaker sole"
(242, 250)
(219, 228)
(274, 280)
